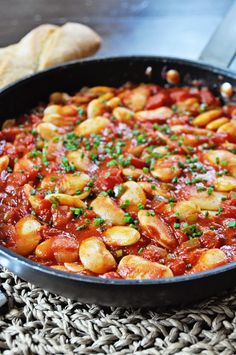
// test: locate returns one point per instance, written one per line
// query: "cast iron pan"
(160, 293)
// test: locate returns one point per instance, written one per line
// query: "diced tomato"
(65, 250)
(207, 97)
(193, 256)
(17, 179)
(108, 178)
(152, 252)
(16, 213)
(35, 119)
(24, 143)
(230, 251)
(179, 95)
(219, 138)
(210, 239)
(231, 138)
(7, 231)
(89, 214)
(90, 231)
(158, 100)
(65, 244)
(179, 120)
(177, 266)
(9, 134)
(138, 163)
(44, 211)
(61, 216)
(154, 89)
(230, 110)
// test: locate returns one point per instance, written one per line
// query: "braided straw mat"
(38, 322)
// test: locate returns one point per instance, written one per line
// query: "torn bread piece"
(20, 60)
(71, 41)
(46, 46)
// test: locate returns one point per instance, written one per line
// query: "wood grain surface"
(158, 27)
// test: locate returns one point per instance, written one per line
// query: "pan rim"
(164, 59)
(115, 282)
(10, 255)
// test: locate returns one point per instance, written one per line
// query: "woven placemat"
(38, 322)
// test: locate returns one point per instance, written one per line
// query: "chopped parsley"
(210, 190)
(128, 218)
(219, 211)
(77, 211)
(202, 108)
(81, 111)
(174, 180)
(35, 153)
(98, 222)
(71, 141)
(66, 165)
(125, 204)
(232, 224)
(118, 189)
(192, 231)
(34, 132)
(140, 207)
(83, 226)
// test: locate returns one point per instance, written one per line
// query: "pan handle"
(221, 48)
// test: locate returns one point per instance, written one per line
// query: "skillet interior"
(26, 94)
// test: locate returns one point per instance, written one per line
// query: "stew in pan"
(136, 182)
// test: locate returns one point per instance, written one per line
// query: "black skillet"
(27, 93)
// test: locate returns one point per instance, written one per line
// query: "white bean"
(136, 267)
(47, 130)
(156, 229)
(134, 193)
(80, 159)
(67, 200)
(70, 184)
(107, 209)
(92, 125)
(95, 256)
(210, 259)
(27, 235)
(121, 236)
(4, 162)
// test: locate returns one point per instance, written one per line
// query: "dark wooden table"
(161, 27)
